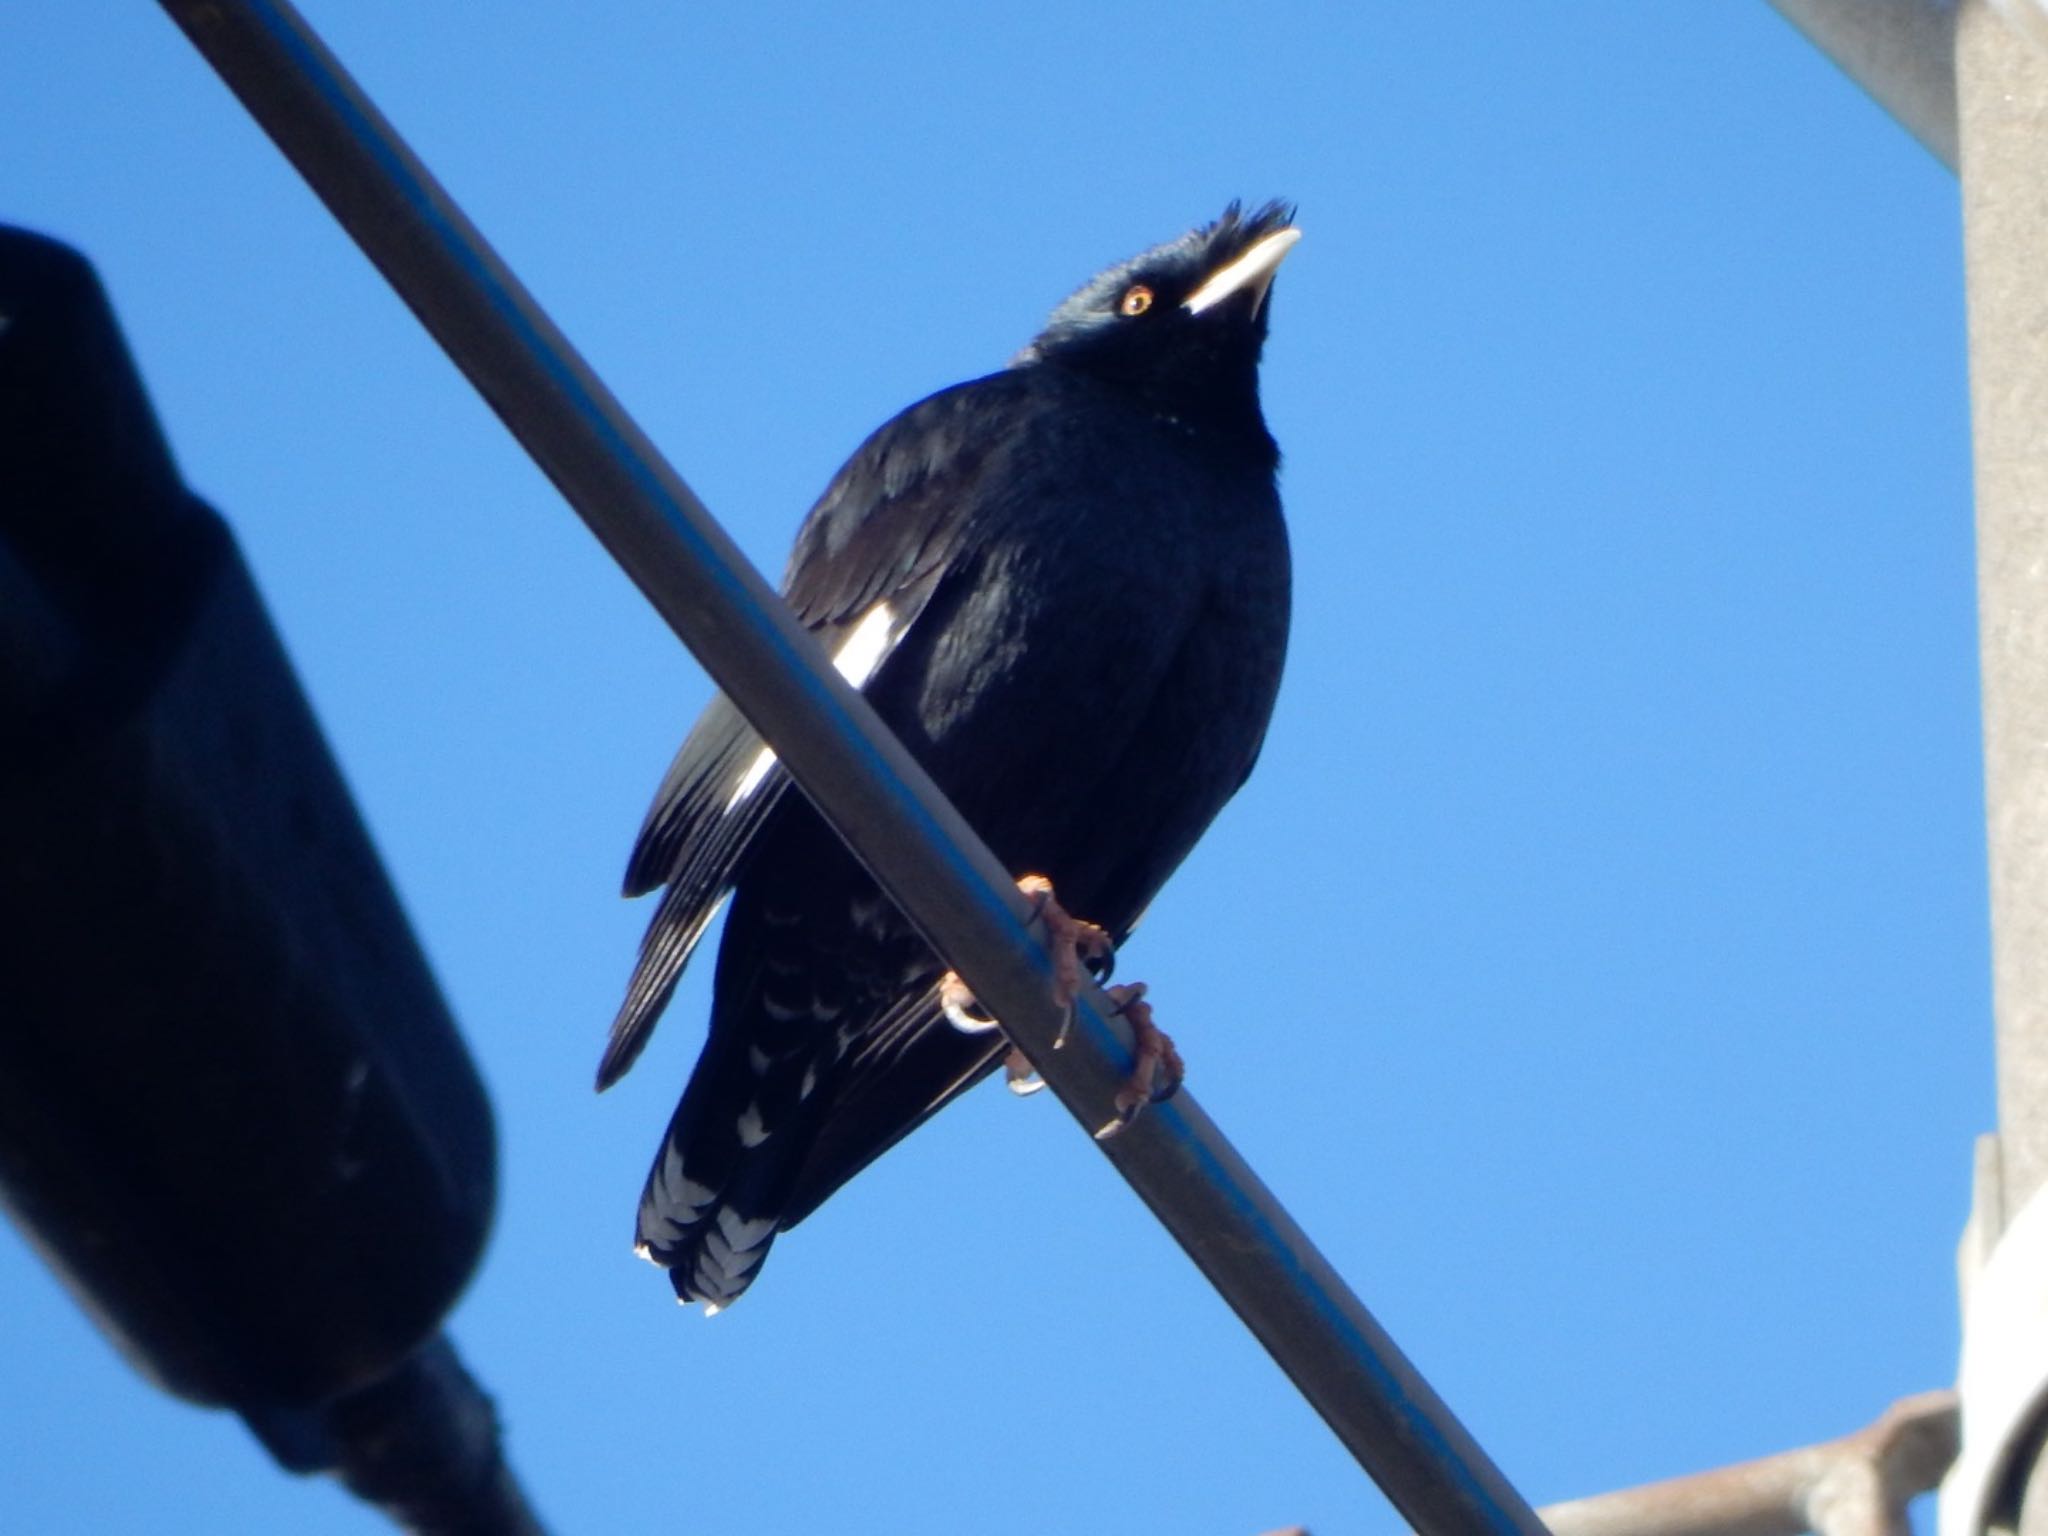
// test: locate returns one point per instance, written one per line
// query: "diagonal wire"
(881, 802)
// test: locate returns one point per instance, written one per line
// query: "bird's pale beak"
(1253, 272)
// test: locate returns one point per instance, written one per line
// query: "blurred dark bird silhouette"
(1065, 587)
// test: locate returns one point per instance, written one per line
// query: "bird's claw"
(1019, 1075)
(962, 1008)
(1156, 1069)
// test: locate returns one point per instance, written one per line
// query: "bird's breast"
(1094, 679)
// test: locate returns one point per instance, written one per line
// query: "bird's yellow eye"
(1136, 300)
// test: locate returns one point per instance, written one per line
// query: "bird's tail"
(715, 1197)
(710, 1246)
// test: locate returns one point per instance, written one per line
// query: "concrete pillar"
(2002, 119)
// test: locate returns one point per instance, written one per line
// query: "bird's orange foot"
(1075, 946)
(1156, 1070)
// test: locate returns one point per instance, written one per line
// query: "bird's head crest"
(1163, 278)
(1189, 315)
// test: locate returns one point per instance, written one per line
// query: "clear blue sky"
(1596, 963)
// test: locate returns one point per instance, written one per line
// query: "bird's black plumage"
(1065, 587)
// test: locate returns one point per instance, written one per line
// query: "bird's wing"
(692, 841)
(866, 562)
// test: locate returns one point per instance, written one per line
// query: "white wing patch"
(873, 638)
(751, 779)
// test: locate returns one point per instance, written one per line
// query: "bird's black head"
(1183, 324)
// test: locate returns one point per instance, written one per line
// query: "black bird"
(1065, 587)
